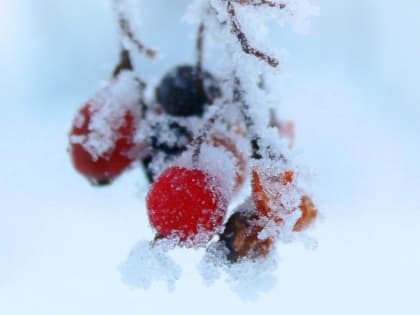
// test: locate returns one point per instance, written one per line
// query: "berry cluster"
(198, 145)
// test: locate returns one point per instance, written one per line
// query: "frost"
(299, 14)
(248, 278)
(149, 262)
(234, 137)
(217, 162)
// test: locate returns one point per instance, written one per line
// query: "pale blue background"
(352, 89)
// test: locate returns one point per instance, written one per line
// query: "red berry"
(186, 204)
(102, 156)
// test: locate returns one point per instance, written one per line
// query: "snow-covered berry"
(166, 140)
(102, 142)
(267, 192)
(184, 91)
(241, 236)
(186, 204)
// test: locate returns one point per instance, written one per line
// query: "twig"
(249, 121)
(124, 63)
(128, 32)
(243, 40)
(199, 46)
(204, 132)
(256, 3)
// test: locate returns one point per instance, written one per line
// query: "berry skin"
(184, 92)
(102, 169)
(187, 205)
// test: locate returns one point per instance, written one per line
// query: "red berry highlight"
(186, 204)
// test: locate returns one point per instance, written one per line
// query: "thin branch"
(249, 121)
(243, 40)
(127, 31)
(205, 130)
(125, 28)
(256, 3)
(199, 46)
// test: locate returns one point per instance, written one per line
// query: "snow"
(249, 279)
(61, 241)
(147, 263)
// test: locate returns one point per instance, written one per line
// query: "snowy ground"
(351, 89)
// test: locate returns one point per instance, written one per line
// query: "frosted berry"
(263, 197)
(185, 91)
(241, 237)
(87, 145)
(165, 142)
(187, 205)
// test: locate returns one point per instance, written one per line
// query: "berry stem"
(255, 138)
(124, 63)
(199, 47)
(204, 131)
(249, 121)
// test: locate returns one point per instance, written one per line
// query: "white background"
(352, 89)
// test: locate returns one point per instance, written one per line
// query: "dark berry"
(185, 91)
(166, 141)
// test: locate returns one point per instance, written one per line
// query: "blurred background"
(350, 85)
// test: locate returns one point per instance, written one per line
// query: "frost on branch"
(208, 137)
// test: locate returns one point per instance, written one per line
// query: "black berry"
(166, 141)
(185, 91)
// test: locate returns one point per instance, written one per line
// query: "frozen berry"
(187, 205)
(185, 91)
(264, 194)
(265, 197)
(102, 139)
(166, 141)
(241, 236)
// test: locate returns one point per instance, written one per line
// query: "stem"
(124, 64)
(249, 121)
(256, 3)
(204, 132)
(199, 46)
